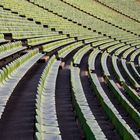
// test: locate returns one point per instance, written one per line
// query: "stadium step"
(69, 127)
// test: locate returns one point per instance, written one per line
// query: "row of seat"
(41, 40)
(79, 55)
(57, 44)
(11, 74)
(65, 51)
(133, 82)
(47, 126)
(87, 120)
(10, 49)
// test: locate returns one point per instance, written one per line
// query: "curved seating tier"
(87, 119)
(57, 44)
(36, 41)
(10, 48)
(46, 118)
(13, 73)
(127, 73)
(79, 55)
(65, 51)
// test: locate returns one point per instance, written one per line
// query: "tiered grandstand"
(69, 70)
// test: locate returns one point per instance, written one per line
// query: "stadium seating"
(87, 50)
